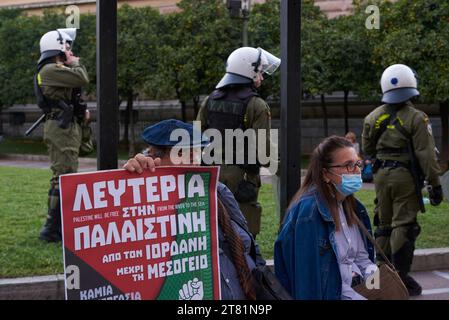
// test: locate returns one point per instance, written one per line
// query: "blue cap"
(159, 135)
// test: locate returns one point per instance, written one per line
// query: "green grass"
(23, 197)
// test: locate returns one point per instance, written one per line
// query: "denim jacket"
(305, 252)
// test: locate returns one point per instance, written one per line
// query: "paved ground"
(435, 283)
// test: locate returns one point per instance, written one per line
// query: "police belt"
(392, 150)
(392, 164)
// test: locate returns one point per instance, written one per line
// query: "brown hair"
(320, 159)
(237, 251)
(351, 135)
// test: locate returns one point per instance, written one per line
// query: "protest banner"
(148, 236)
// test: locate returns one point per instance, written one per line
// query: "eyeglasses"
(350, 166)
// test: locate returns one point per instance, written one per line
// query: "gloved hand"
(435, 195)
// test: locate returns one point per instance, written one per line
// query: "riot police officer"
(235, 104)
(399, 138)
(59, 77)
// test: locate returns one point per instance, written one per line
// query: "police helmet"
(56, 42)
(399, 83)
(245, 63)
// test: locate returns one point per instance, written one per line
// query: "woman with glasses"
(320, 253)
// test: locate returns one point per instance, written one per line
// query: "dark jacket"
(230, 285)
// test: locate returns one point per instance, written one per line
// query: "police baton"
(35, 125)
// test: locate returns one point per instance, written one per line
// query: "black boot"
(413, 287)
(51, 232)
(402, 260)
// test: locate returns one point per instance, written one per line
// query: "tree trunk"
(1, 120)
(183, 103)
(126, 125)
(129, 106)
(345, 109)
(444, 113)
(196, 99)
(183, 110)
(325, 122)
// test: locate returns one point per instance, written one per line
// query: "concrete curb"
(430, 259)
(33, 288)
(52, 287)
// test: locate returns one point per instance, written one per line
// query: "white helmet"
(56, 42)
(399, 83)
(243, 64)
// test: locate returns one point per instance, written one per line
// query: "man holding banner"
(162, 229)
(238, 253)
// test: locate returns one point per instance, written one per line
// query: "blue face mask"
(350, 183)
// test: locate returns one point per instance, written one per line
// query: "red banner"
(141, 236)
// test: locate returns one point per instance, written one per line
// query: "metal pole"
(246, 7)
(107, 95)
(444, 114)
(290, 135)
(245, 32)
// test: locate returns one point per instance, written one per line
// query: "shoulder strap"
(373, 241)
(384, 124)
(397, 124)
(394, 120)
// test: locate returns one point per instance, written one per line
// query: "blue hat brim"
(399, 95)
(159, 135)
(232, 78)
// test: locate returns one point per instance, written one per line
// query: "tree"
(19, 52)
(264, 27)
(349, 54)
(264, 31)
(5, 16)
(137, 42)
(201, 37)
(317, 77)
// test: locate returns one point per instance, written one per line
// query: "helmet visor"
(69, 34)
(268, 62)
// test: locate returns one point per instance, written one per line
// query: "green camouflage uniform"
(257, 116)
(397, 203)
(57, 81)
